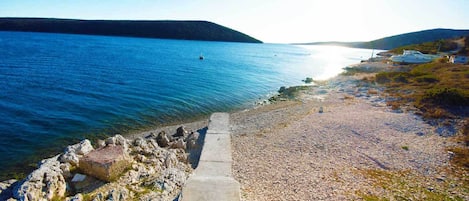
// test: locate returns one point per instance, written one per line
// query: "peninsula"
(167, 29)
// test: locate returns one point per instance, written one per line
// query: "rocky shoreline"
(326, 141)
(148, 166)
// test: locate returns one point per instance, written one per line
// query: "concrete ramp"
(212, 180)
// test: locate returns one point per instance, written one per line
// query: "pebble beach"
(339, 141)
(335, 140)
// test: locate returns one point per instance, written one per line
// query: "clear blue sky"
(277, 21)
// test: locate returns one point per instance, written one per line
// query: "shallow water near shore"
(57, 89)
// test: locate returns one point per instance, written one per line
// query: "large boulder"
(44, 183)
(106, 163)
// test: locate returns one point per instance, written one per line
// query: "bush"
(427, 78)
(308, 80)
(382, 78)
(445, 97)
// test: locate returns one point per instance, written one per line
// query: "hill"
(392, 42)
(168, 29)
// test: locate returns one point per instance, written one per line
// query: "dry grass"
(407, 185)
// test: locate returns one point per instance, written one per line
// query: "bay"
(57, 89)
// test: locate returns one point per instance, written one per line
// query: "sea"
(58, 89)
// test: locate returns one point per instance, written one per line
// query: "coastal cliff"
(167, 29)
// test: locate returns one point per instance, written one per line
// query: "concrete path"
(213, 180)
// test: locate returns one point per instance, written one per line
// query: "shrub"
(427, 78)
(382, 78)
(445, 97)
(308, 80)
(400, 78)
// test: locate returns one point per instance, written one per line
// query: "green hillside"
(186, 30)
(396, 41)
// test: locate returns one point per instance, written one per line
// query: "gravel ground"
(290, 151)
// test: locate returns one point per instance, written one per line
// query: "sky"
(272, 21)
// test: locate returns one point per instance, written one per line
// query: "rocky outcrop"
(118, 169)
(44, 183)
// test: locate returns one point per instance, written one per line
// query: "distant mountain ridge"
(392, 42)
(168, 29)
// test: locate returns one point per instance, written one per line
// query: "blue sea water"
(56, 89)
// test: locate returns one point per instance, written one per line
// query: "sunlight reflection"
(332, 59)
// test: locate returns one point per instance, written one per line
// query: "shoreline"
(342, 141)
(269, 133)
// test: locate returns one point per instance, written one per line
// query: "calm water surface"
(56, 89)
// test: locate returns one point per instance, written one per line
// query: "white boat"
(413, 56)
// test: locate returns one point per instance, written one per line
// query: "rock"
(82, 183)
(171, 160)
(151, 135)
(77, 197)
(46, 182)
(191, 140)
(119, 194)
(65, 167)
(106, 163)
(84, 147)
(74, 152)
(180, 132)
(179, 144)
(101, 143)
(70, 157)
(170, 180)
(110, 141)
(140, 142)
(321, 110)
(162, 139)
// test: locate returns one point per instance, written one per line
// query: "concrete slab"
(211, 189)
(214, 169)
(213, 179)
(216, 148)
(219, 123)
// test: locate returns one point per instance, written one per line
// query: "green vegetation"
(428, 47)
(438, 90)
(405, 185)
(185, 30)
(396, 41)
(405, 148)
(308, 80)
(288, 93)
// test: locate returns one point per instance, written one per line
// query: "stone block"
(106, 163)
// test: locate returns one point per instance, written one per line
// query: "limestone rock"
(162, 139)
(119, 194)
(179, 144)
(73, 152)
(46, 182)
(77, 197)
(170, 159)
(70, 157)
(191, 140)
(106, 163)
(101, 143)
(180, 132)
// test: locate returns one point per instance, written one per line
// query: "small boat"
(413, 56)
(201, 57)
